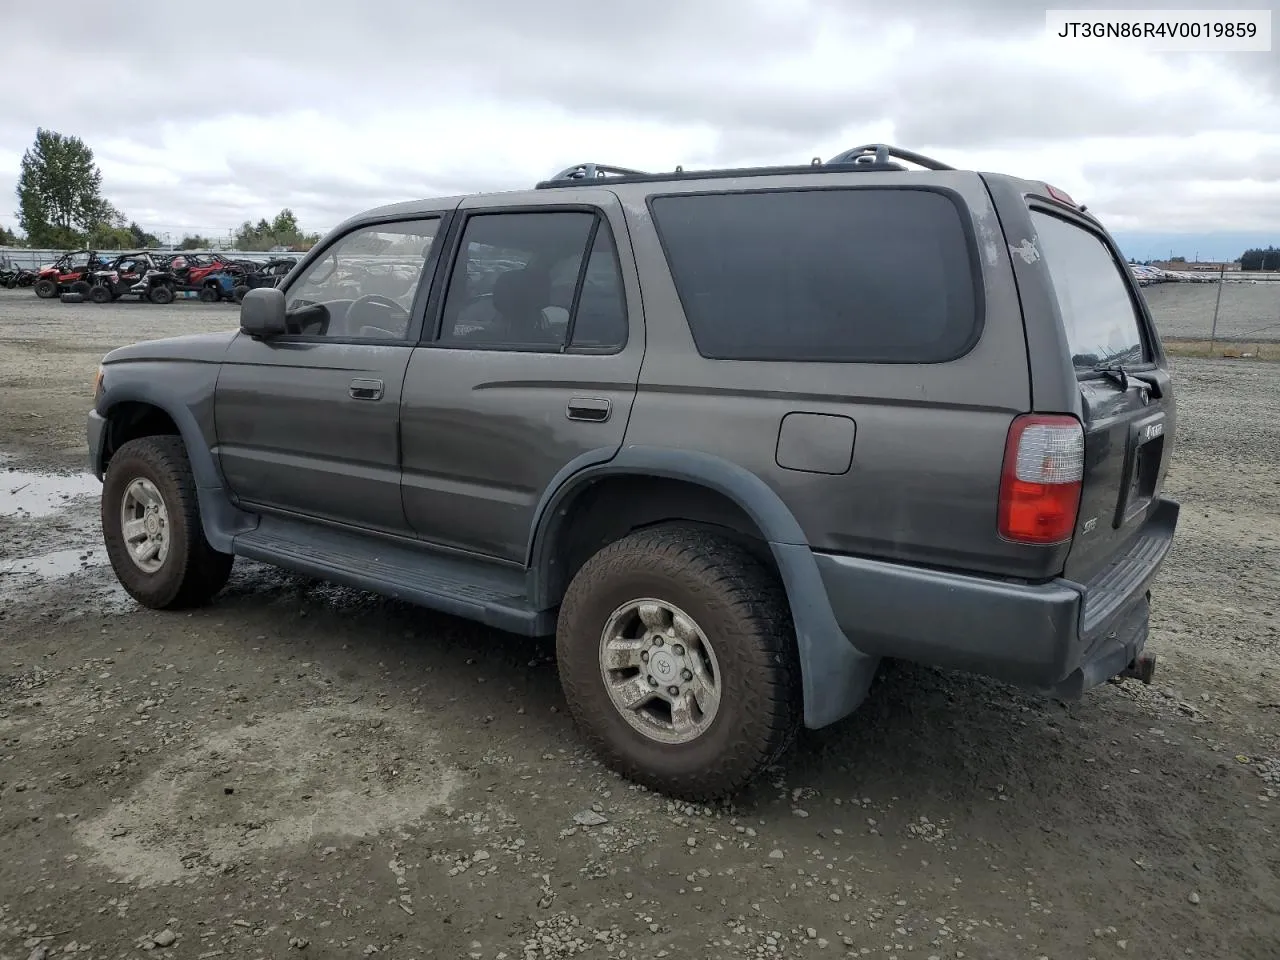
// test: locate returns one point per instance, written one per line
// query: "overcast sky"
(329, 107)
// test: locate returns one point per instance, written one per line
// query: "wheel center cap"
(152, 525)
(662, 666)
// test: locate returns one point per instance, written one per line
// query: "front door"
(530, 364)
(308, 423)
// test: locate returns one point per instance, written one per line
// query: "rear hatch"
(1127, 403)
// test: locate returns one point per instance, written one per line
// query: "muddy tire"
(151, 527)
(100, 294)
(237, 294)
(46, 289)
(72, 298)
(210, 294)
(161, 293)
(81, 287)
(696, 633)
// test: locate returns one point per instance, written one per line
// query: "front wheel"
(161, 293)
(100, 294)
(210, 294)
(46, 289)
(152, 530)
(678, 660)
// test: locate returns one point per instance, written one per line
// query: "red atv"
(70, 272)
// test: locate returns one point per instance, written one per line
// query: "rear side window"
(1101, 321)
(861, 275)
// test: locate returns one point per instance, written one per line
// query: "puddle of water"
(56, 565)
(26, 494)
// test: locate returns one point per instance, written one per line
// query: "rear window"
(1101, 320)
(859, 275)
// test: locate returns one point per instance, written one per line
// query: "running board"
(490, 593)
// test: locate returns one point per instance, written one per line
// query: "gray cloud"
(762, 83)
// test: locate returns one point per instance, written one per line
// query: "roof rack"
(878, 154)
(869, 157)
(593, 171)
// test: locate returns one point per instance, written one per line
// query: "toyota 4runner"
(731, 436)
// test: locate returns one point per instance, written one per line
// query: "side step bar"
(491, 593)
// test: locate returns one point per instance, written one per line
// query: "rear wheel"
(46, 289)
(678, 660)
(152, 530)
(81, 287)
(161, 293)
(238, 293)
(209, 294)
(100, 294)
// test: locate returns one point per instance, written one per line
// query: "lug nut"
(677, 650)
(686, 675)
(653, 682)
(657, 641)
(674, 691)
(644, 656)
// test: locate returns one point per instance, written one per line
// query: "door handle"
(365, 389)
(592, 409)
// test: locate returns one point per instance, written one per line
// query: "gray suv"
(732, 436)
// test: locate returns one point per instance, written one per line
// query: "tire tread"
(726, 575)
(205, 570)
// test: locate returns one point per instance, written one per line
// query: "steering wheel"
(386, 303)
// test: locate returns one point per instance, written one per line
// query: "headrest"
(516, 292)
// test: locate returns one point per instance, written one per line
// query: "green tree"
(141, 239)
(1259, 259)
(283, 231)
(8, 238)
(59, 191)
(196, 242)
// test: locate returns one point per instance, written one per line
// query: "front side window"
(518, 283)
(364, 285)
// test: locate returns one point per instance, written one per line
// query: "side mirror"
(262, 313)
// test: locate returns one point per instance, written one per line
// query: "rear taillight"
(1040, 484)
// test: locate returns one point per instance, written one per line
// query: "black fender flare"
(221, 519)
(835, 675)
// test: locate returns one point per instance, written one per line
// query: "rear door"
(531, 367)
(1127, 404)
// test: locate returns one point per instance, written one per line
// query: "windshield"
(1099, 314)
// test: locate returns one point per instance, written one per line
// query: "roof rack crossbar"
(592, 171)
(879, 154)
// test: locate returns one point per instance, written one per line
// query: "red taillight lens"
(1040, 485)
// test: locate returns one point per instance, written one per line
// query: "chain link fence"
(1221, 311)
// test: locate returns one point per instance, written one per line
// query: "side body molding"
(835, 674)
(185, 391)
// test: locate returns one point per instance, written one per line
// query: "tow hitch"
(1143, 667)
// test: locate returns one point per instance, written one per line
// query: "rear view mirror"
(262, 313)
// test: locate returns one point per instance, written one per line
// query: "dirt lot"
(306, 768)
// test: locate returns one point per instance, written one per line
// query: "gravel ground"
(304, 769)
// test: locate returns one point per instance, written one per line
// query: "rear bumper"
(1060, 637)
